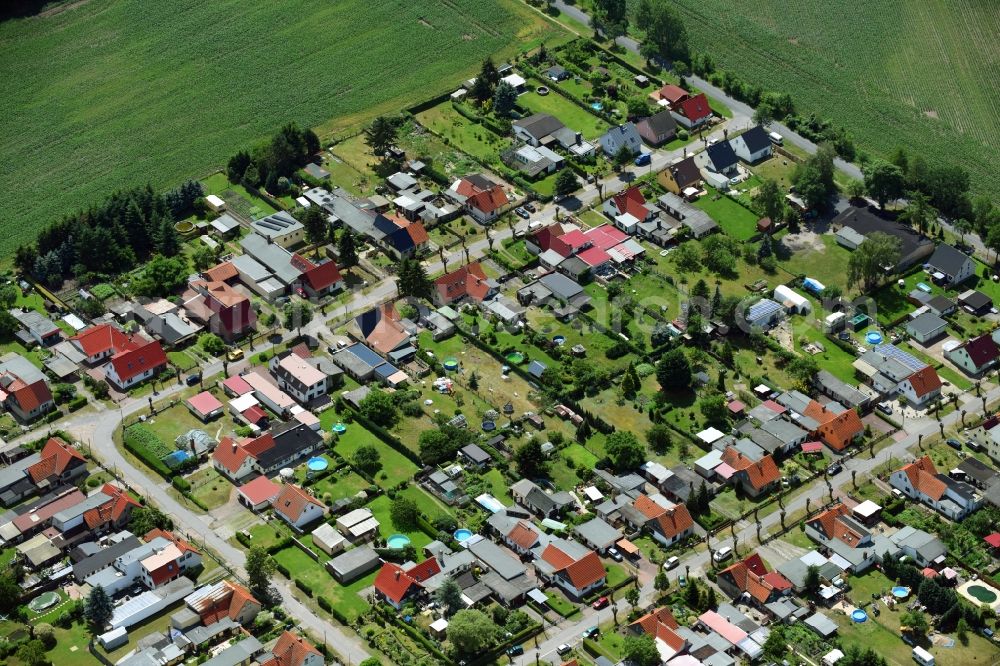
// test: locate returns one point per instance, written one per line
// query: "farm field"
(108, 94)
(917, 74)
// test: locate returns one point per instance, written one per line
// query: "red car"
(600, 603)
(301, 292)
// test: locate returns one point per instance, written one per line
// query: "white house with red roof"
(975, 356)
(920, 480)
(297, 507)
(628, 208)
(204, 406)
(661, 625)
(98, 343)
(24, 391)
(570, 565)
(750, 579)
(168, 561)
(397, 585)
(130, 358)
(293, 650)
(222, 600)
(318, 280)
(483, 199)
(469, 281)
(922, 387)
(692, 111)
(221, 308)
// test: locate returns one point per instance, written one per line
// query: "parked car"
(614, 554)
(521, 213)
(884, 407)
(515, 650)
(954, 443)
(590, 632)
(234, 354)
(643, 159)
(974, 445)
(723, 554)
(563, 649)
(682, 580)
(671, 562)
(602, 602)
(301, 292)
(834, 469)
(193, 380)
(528, 206)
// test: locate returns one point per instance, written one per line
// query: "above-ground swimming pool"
(515, 358)
(450, 364)
(559, 339)
(44, 601)
(489, 426)
(542, 90)
(398, 541)
(874, 338)
(859, 615)
(317, 464)
(596, 106)
(900, 592)
(463, 535)
(339, 428)
(982, 593)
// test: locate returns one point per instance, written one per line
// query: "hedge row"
(136, 441)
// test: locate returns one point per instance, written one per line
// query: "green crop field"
(104, 94)
(893, 72)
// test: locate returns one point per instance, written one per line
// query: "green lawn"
(182, 360)
(268, 535)
(108, 136)
(571, 115)
(736, 220)
(380, 509)
(835, 360)
(168, 424)
(617, 574)
(210, 487)
(476, 140)
(237, 197)
(338, 485)
(396, 468)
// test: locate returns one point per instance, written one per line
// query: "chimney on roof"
(397, 574)
(579, 138)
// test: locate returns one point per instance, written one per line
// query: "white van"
(922, 656)
(776, 138)
(671, 562)
(723, 554)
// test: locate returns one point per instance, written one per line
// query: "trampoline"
(515, 358)
(339, 428)
(542, 90)
(44, 601)
(559, 339)
(317, 464)
(489, 426)
(859, 615)
(462, 535)
(398, 541)
(874, 338)
(900, 592)
(451, 364)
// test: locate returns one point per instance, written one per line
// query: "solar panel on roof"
(907, 359)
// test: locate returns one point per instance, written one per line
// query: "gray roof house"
(622, 136)
(950, 266)
(925, 327)
(597, 534)
(353, 564)
(273, 256)
(475, 455)
(526, 493)
(695, 219)
(924, 548)
(840, 390)
(280, 228)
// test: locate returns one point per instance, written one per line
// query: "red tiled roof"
(661, 624)
(759, 473)
(227, 601)
(469, 280)
(837, 430)
(582, 572)
(830, 524)
(292, 501)
(632, 202)
(230, 454)
(694, 108)
(489, 200)
(594, 256)
(647, 507)
(924, 381)
(523, 535)
(261, 489)
(100, 339)
(56, 458)
(133, 362)
(291, 650)
(29, 397)
(923, 477)
(751, 576)
(204, 403)
(254, 414)
(394, 582)
(118, 503)
(221, 272)
(674, 521)
(671, 93)
(322, 276)
(183, 545)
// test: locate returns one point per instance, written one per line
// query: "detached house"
(755, 477)
(721, 158)
(665, 631)
(949, 266)
(171, 556)
(749, 579)
(23, 389)
(321, 279)
(397, 585)
(59, 463)
(131, 359)
(837, 426)
(221, 308)
(692, 111)
(681, 177)
(669, 523)
(225, 599)
(483, 199)
(297, 507)
(837, 530)
(975, 356)
(920, 480)
(526, 493)
(300, 377)
(468, 281)
(572, 566)
(658, 129)
(517, 534)
(628, 208)
(622, 137)
(922, 387)
(265, 454)
(753, 145)
(293, 650)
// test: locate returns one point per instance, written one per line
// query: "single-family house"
(914, 246)
(293, 650)
(258, 494)
(892, 371)
(667, 634)
(621, 137)
(302, 378)
(926, 327)
(692, 111)
(721, 158)
(396, 585)
(297, 507)
(481, 198)
(949, 266)
(923, 548)
(517, 534)
(166, 562)
(921, 387)
(756, 477)
(597, 534)
(836, 425)
(628, 202)
(24, 391)
(468, 281)
(975, 356)
(682, 178)
(920, 480)
(280, 228)
(39, 328)
(267, 453)
(658, 128)
(572, 566)
(527, 493)
(750, 580)
(753, 145)
(383, 330)
(321, 279)
(669, 523)
(669, 95)
(221, 308)
(222, 600)
(837, 530)
(533, 161)
(695, 219)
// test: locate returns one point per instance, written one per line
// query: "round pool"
(515, 358)
(317, 464)
(874, 338)
(398, 541)
(450, 364)
(559, 339)
(44, 601)
(900, 592)
(489, 426)
(596, 106)
(462, 535)
(339, 428)
(542, 90)
(859, 615)
(982, 593)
